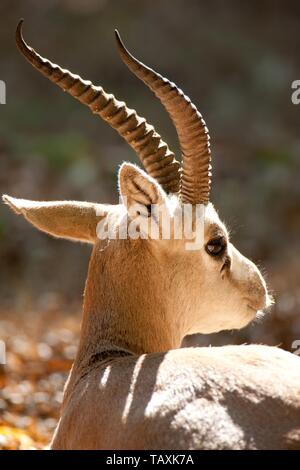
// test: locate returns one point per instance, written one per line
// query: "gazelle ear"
(136, 187)
(64, 219)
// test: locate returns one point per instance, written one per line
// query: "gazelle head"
(196, 282)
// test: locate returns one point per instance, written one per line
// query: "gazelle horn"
(191, 129)
(154, 153)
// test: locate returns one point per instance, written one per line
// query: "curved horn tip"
(121, 46)
(19, 34)
(119, 40)
(19, 26)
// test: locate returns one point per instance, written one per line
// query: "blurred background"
(236, 61)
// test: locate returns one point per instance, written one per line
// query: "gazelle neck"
(125, 301)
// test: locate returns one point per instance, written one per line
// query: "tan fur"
(292, 439)
(130, 387)
(234, 397)
(64, 219)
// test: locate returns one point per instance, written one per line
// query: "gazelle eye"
(216, 246)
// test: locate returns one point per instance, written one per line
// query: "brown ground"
(39, 354)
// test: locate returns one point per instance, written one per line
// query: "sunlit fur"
(141, 298)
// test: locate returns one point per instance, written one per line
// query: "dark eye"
(216, 246)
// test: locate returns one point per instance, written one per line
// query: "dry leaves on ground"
(39, 353)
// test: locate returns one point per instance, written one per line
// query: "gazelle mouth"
(252, 308)
(262, 309)
(258, 314)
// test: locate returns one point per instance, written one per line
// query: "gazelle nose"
(258, 292)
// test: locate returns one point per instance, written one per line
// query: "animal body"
(131, 385)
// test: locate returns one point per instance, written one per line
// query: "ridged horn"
(154, 153)
(191, 129)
